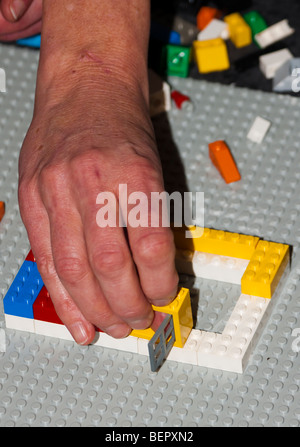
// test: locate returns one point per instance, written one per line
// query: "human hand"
(20, 19)
(89, 135)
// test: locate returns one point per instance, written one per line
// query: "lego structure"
(28, 306)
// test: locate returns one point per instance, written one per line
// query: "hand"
(20, 19)
(89, 135)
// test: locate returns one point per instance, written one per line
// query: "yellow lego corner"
(211, 55)
(239, 31)
(265, 269)
(217, 242)
(181, 310)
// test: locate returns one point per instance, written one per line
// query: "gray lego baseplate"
(45, 381)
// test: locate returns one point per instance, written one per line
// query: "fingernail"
(118, 330)
(141, 324)
(17, 8)
(79, 333)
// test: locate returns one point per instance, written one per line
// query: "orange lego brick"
(205, 15)
(2, 210)
(222, 158)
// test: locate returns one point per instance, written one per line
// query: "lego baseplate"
(47, 381)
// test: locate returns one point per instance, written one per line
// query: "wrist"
(98, 42)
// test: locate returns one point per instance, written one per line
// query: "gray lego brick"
(49, 382)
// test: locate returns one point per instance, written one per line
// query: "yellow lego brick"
(217, 242)
(265, 269)
(181, 310)
(239, 31)
(211, 55)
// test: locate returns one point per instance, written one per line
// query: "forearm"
(101, 38)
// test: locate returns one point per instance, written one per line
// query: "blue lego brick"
(33, 41)
(23, 292)
(164, 34)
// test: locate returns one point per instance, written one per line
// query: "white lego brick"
(230, 350)
(129, 344)
(52, 330)
(19, 323)
(258, 130)
(216, 28)
(210, 266)
(142, 345)
(274, 33)
(187, 354)
(270, 63)
(159, 94)
(287, 77)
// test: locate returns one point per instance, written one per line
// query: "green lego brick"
(176, 60)
(256, 22)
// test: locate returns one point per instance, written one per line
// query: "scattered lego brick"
(265, 269)
(181, 101)
(211, 55)
(2, 210)
(222, 158)
(32, 41)
(215, 29)
(258, 130)
(239, 31)
(256, 22)
(271, 62)
(159, 94)
(274, 33)
(205, 15)
(287, 77)
(176, 60)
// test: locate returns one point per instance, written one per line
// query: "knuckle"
(45, 266)
(109, 261)
(71, 270)
(154, 248)
(88, 162)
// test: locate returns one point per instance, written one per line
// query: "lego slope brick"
(274, 33)
(223, 160)
(2, 210)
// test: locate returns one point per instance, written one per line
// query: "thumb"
(13, 10)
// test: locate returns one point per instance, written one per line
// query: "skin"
(90, 132)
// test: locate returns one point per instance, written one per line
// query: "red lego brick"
(43, 308)
(30, 257)
(222, 158)
(2, 210)
(180, 99)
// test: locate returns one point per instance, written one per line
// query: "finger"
(153, 251)
(112, 264)
(13, 10)
(72, 264)
(19, 33)
(37, 224)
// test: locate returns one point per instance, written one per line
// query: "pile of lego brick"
(212, 41)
